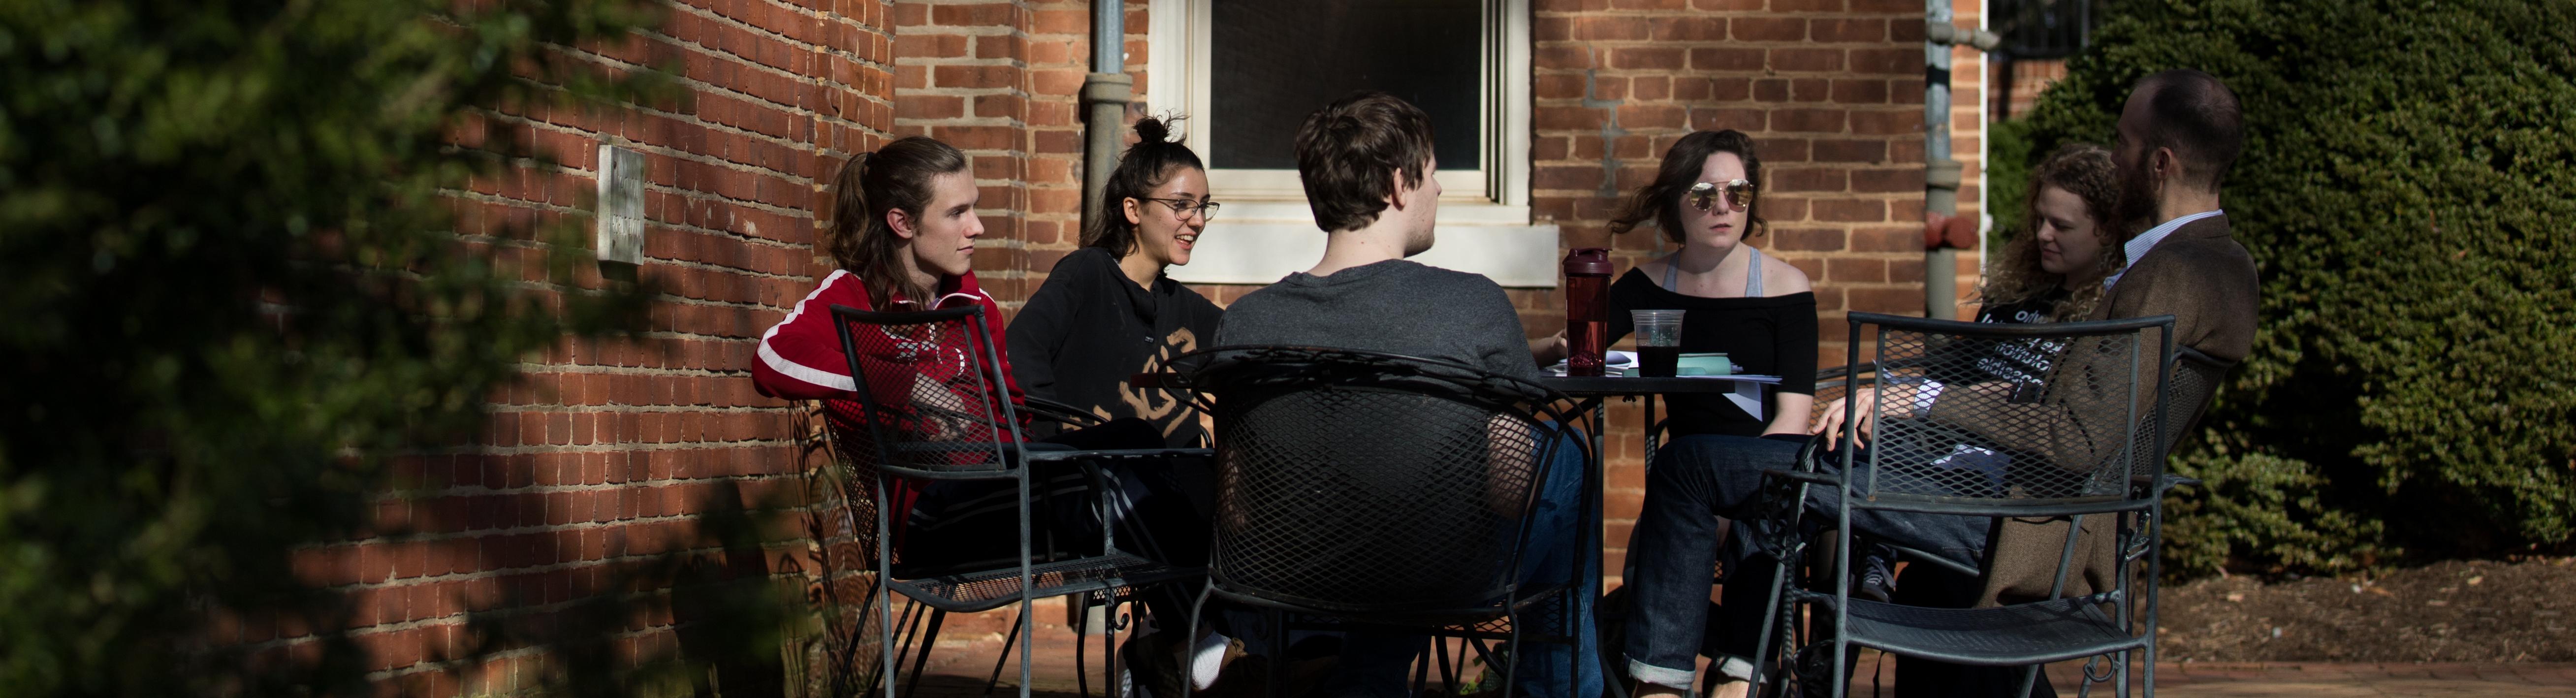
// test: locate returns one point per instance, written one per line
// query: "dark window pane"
(1275, 62)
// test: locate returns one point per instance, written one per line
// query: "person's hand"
(1864, 403)
(1548, 350)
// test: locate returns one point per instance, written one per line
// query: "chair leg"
(2029, 677)
(1422, 664)
(1777, 617)
(1109, 625)
(1081, 604)
(1511, 658)
(1005, 659)
(929, 640)
(1448, 674)
(1278, 639)
(1198, 609)
(909, 625)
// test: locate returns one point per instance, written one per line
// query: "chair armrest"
(1826, 479)
(2169, 482)
(1052, 452)
(1058, 412)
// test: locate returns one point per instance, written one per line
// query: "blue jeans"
(1373, 663)
(1694, 481)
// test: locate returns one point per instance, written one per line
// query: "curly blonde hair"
(2086, 171)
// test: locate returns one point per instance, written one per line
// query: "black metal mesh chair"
(931, 406)
(1963, 428)
(1378, 489)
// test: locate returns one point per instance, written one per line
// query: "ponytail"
(895, 177)
(1146, 165)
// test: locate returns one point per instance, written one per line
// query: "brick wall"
(611, 454)
(1830, 90)
(1001, 80)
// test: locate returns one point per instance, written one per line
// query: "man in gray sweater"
(1366, 162)
(1367, 166)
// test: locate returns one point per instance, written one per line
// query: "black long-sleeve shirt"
(1088, 328)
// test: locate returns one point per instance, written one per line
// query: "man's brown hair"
(2195, 114)
(1346, 149)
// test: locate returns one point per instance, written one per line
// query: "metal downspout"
(1105, 94)
(1940, 173)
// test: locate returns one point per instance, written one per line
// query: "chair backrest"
(1357, 482)
(2013, 414)
(2194, 385)
(930, 393)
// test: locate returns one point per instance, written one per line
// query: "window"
(1247, 72)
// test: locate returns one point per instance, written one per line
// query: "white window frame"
(1268, 228)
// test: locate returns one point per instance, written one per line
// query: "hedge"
(2406, 189)
(234, 292)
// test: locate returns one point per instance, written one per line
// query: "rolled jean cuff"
(1660, 676)
(1732, 668)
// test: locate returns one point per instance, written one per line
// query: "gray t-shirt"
(1395, 306)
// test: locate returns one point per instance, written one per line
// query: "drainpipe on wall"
(1942, 228)
(1105, 92)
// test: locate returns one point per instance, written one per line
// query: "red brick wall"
(1002, 81)
(1830, 90)
(604, 455)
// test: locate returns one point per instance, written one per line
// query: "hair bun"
(1153, 130)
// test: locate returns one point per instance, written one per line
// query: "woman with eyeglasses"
(1107, 312)
(1761, 312)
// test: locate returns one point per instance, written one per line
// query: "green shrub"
(2408, 180)
(2008, 163)
(233, 296)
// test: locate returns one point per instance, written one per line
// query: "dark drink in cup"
(1659, 341)
(1658, 362)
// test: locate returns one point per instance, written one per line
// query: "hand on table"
(1548, 350)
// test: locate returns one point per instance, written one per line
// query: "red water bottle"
(1587, 309)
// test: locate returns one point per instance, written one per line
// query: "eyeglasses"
(1739, 194)
(1185, 207)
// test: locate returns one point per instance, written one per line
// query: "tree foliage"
(2409, 174)
(234, 292)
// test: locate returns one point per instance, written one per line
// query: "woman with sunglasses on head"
(1761, 312)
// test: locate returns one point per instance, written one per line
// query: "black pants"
(1161, 511)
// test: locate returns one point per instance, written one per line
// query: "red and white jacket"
(800, 359)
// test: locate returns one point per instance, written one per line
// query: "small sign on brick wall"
(621, 205)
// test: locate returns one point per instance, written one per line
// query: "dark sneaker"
(1876, 582)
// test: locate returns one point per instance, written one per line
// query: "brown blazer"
(2202, 277)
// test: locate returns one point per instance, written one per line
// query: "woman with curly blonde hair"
(2053, 271)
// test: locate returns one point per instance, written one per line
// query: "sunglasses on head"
(1703, 196)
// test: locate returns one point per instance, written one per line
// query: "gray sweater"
(1395, 306)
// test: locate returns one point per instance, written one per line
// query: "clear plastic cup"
(1659, 341)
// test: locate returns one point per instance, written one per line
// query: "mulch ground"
(2474, 611)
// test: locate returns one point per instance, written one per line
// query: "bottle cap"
(1587, 261)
